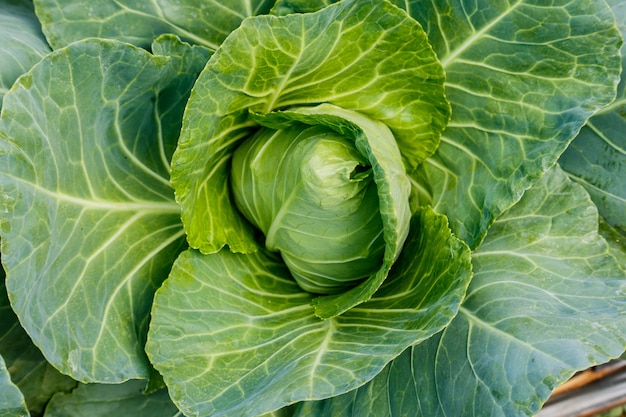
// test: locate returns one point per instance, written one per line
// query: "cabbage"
(308, 208)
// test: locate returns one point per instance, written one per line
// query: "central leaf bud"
(312, 194)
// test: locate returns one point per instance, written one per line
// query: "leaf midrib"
(472, 319)
(164, 207)
(477, 35)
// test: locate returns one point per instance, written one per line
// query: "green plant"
(380, 203)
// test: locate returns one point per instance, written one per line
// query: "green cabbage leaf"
(233, 334)
(90, 227)
(204, 22)
(309, 207)
(545, 300)
(597, 158)
(23, 43)
(35, 378)
(522, 81)
(12, 402)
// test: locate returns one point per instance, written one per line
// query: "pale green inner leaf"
(343, 55)
(313, 196)
(376, 143)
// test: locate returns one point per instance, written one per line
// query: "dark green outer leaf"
(283, 412)
(597, 157)
(523, 76)
(12, 402)
(597, 160)
(31, 373)
(204, 22)
(233, 335)
(23, 44)
(89, 223)
(99, 400)
(547, 299)
(11, 399)
(26, 4)
(616, 241)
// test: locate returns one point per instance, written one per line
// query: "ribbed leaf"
(12, 402)
(90, 227)
(233, 335)
(30, 372)
(523, 77)
(547, 299)
(343, 55)
(597, 157)
(204, 22)
(23, 44)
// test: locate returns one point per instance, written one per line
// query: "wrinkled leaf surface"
(597, 157)
(205, 22)
(90, 227)
(546, 299)
(233, 335)
(23, 44)
(522, 78)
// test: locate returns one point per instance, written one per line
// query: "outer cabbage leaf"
(23, 43)
(89, 223)
(344, 55)
(204, 22)
(616, 241)
(32, 374)
(11, 399)
(547, 299)
(597, 160)
(233, 335)
(285, 7)
(100, 400)
(522, 77)
(597, 157)
(12, 402)
(127, 399)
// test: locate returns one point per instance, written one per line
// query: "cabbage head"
(310, 207)
(313, 196)
(293, 176)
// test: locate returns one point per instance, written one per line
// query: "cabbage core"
(313, 196)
